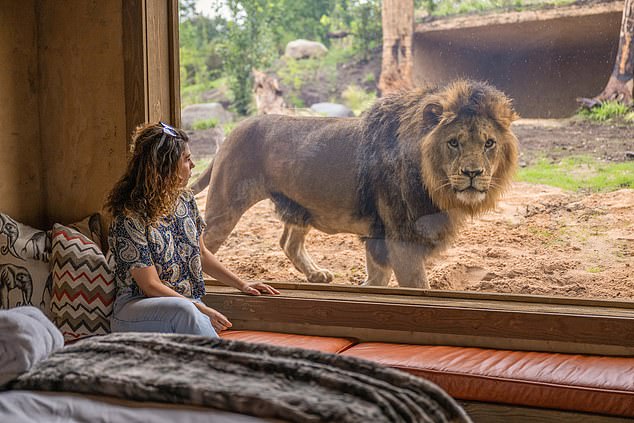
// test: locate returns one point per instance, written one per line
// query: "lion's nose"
(472, 173)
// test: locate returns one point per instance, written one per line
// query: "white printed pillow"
(83, 285)
(24, 269)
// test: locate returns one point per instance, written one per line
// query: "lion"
(404, 176)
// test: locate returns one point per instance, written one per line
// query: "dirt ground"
(539, 240)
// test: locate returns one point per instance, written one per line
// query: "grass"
(580, 173)
(192, 94)
(200, 125)
(608, 111)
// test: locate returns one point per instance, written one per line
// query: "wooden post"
(398, 30)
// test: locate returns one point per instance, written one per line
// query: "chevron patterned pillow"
(83, 285)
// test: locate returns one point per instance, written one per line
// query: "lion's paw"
(320, 276)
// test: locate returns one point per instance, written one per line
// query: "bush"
(357, 99)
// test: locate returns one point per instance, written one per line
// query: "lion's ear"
(432, 113)
(506, 114)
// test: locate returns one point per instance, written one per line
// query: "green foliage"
(362, 19)
(295, 73)
(454, 7)
(299, 19)
(357, 99)
(366, 25)
(199, 38)
(199, 125)
(580, 173)
(251, 34)
(248, 44)
(607, 111)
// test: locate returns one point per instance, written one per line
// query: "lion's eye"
(453, 143)
(489, 144)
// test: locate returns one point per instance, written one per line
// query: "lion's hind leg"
(223, 210)
(292, 242)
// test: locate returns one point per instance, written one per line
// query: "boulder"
(302, 49)
(332, 109)
(205, 143)
(205, 111)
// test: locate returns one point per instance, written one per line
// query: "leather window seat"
(592, 384)
(320, 343)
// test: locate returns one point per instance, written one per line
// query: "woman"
(155, 239)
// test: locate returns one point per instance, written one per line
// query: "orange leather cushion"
(595, 384)
(320, 343)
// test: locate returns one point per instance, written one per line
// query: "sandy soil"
(539, 240)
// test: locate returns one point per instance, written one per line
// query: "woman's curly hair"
(151, 184)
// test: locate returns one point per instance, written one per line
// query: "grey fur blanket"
(261, 380)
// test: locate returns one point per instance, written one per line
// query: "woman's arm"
(212, 266)
(148, 280)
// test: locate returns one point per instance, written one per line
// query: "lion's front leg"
(407, 260)
(292, 242)
(376, 263)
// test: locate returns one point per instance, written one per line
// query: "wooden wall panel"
(82, 103)
(21, 188)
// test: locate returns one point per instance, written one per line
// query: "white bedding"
(48, 407)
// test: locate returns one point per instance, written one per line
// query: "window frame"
(471, 319)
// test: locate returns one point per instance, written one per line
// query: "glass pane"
(565, 225)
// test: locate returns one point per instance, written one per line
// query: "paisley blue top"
(171, 245)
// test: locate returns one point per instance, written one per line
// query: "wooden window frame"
(151, 66)
(520, 322)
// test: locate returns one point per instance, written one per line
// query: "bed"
(168, 377)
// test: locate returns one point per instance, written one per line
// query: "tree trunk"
(621, 82)
(398, 29)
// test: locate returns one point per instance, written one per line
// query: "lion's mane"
(399, 181)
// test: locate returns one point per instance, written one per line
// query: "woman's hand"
(257, 288)
(218, 320)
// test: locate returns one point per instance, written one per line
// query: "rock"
(332, 109)
(302, 49)
(205, 143)
(205, 111)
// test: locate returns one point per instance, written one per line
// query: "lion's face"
(470, 154)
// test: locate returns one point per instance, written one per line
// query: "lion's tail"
(203, 180)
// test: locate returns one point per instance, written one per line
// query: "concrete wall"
(21, 187)
(544, 64)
